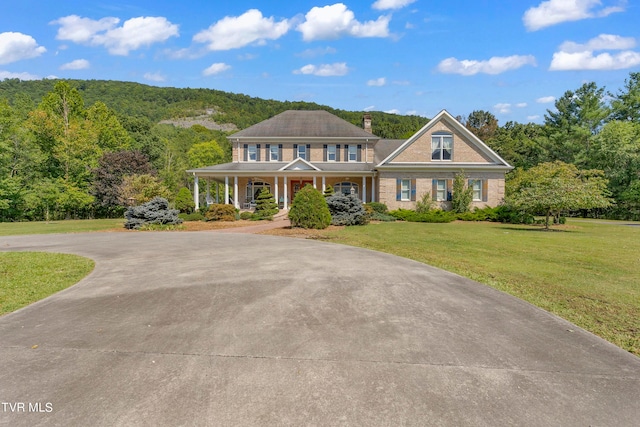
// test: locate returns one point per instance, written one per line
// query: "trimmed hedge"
(435, 216)
(221, 212)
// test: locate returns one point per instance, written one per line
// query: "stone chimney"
(366, 123)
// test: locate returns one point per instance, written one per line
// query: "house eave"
(445, 167)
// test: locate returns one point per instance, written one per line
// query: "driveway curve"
(216, 329)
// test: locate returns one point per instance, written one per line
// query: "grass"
(66, 226)
(26, 277)
(587, 272)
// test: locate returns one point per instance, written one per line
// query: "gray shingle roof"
(304, 124)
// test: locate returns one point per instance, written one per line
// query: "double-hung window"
(252, 153)
(352, 153)
(405, 190)
(331, 153)
(441, 146)
(302, 151)
(440, 190)
(477, 189)
(274, 153)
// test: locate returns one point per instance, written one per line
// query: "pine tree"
(266, 206)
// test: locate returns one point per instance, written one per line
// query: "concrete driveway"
(235, 329)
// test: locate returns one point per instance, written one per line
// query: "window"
(274, 153)
(441, 193)
(252, 153)
(331, 153)
(253, 190)
(352, 153)
(441, 146)
(405, 190)
(346, 188)
(478, 187)
(302, 151)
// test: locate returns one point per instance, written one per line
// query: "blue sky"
(512, 58)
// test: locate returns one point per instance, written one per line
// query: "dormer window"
(441, 146)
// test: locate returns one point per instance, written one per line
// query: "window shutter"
(398, 189)
(434, 189)
(324, 152)
(359, 155)
(337, 153)
(413, 190)
(485, 190)
(279, 152)
(246, 152)
(449, 189)
(295, 151)
(308, 152)
(258, 153)
(267, 151)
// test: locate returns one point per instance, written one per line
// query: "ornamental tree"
(309, 209)
(555, 187)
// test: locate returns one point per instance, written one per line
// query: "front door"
(297, 186)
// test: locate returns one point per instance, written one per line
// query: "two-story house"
(296, 148)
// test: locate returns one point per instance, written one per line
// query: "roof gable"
(482, 151)
(304, 124)
(299, 164)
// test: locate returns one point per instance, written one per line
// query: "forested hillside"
(74, 148)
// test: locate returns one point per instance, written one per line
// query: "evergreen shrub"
(220, 212)
(434, 216)
(377, 207)
(246, 215)
(346, 210)
(266, 206)
(184, 201)
(155, 211)
(194, 216)
(309, 209)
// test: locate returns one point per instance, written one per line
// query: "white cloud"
(552, 12)
(495, 65)
(319, 51)
(377, 82)
(17, 46)
(391, 4)
(575, 56)
(324, 70)
(564, 61)
(546, 99)
(155, 77)
(21, 76)
(503, 108)
(232, 32)
(521, 105)
(602, 42)
(369, 108)
(78, 64)
(216, 68)
(335, 21)
(132, 35)
(393, 111)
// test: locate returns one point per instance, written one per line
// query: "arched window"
(346, 188)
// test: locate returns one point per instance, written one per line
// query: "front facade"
(296, 148)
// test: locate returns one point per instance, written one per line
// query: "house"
(296, 148)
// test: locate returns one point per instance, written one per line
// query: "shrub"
(221, 212)
(266, 206)
(377, 207)
(485, 214)
(194, 216)
(184, 201)
(508, 214)
(346, 210)
(462, 194)
(309, 209)
(328, 191)
(155, 211)
(377, 216)
(425, 204)
(246, 215)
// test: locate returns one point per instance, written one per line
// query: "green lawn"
(26, 277)
(66, 226)
(588, 273)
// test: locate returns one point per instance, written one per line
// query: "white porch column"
(275, 190)
(314, 182)
(324, 183)
(226, 190)
(235, 192)
(364, 189)
(208, 192)
(196, 192)
(286, 193)
(373, 188)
